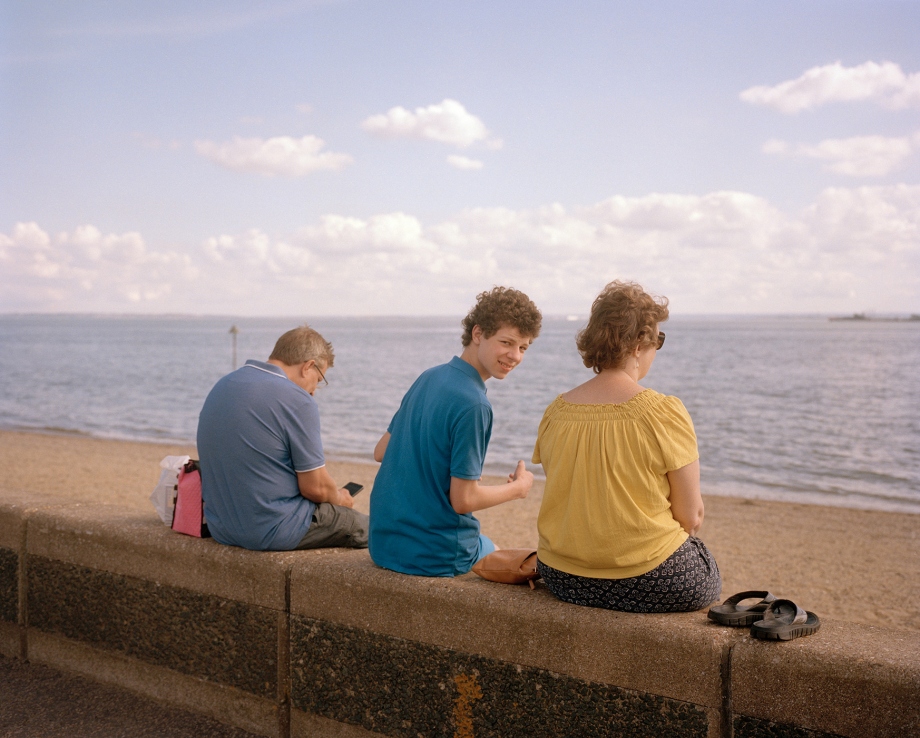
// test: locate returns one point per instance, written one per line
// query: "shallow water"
(797, 408)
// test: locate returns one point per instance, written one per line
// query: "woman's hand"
(686, 500)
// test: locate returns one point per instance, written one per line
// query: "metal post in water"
(233, 331)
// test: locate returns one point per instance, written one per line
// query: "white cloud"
(859, 156)
(852, 249)
(463, 162)
(871, 224)
(445, 122)
(255, 250)
(86, 270)
(386, 233)
(284, 155)
(884, 83)
(721, 252)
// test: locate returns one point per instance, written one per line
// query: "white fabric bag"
(163, 496)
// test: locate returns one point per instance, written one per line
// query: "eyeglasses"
(325, 381)
(660, 341)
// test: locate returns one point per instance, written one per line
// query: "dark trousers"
(334, 526)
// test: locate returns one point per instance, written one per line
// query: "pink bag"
(188, 516)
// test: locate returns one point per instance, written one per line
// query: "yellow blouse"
(605, 511)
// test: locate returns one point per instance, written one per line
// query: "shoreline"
(750, 492)
(862, 566)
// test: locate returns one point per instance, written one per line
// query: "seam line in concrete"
(22, 614)
(284, 660)
(727, 728)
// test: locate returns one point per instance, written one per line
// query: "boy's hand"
(523, 476)
(469, 495)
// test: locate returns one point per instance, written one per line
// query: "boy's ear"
(476, 334)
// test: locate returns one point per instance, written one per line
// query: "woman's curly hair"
(623, 317)
(502, 306)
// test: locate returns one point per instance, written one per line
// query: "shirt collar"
(265, 367)
(469, 370)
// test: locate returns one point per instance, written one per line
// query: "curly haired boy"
(432, 454)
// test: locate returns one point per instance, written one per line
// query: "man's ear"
(305, 368)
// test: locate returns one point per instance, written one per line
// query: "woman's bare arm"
(686, 500)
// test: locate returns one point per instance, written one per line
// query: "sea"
(792, 408)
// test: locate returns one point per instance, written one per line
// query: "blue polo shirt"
(256, 430)
(441, 430)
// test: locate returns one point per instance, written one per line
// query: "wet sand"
(854, 565)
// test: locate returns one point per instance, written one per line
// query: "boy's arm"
(468, 495)
(381, 448)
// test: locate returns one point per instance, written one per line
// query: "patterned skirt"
(687, 580)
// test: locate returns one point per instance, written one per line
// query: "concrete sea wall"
(323, 643)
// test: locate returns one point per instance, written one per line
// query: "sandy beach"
(854, 565)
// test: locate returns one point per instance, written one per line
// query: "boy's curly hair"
(623, 317)
(502, 306)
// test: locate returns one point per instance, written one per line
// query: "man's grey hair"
(303, 344)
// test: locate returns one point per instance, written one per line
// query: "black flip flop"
(784, 621)
(732, 613)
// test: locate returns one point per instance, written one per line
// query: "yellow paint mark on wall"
(468, 692)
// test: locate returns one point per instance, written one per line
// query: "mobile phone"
(353, 488)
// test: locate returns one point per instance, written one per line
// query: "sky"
(390, 157)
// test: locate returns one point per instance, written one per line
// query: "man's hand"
(317, 486)
(345, 498)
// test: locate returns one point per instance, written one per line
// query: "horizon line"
(868, 314)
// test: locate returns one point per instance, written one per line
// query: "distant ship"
(863, 316)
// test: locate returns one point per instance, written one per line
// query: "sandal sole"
(787, 633)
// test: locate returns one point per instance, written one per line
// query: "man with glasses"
(264, 480)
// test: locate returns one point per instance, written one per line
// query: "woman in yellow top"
(622, 503)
